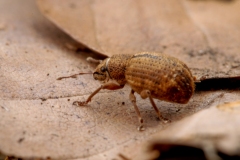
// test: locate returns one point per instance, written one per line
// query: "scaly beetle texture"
(151, 75)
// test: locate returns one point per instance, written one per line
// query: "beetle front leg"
(80, 103)
(108, 85)
(133, 100)
(92, 60)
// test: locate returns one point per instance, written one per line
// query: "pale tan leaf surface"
(204, 34)
(57, 129)
(36, 111)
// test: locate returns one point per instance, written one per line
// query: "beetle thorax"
(116, 66)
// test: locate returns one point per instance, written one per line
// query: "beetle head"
(101, 72)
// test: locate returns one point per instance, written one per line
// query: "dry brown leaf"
(37, 115)
(204, 34)
(214, 130)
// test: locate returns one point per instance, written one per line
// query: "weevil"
(152, 75)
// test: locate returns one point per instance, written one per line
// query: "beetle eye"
(103, 69)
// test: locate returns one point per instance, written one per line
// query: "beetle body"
(152, 75)
(166, 77)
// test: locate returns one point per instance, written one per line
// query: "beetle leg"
(108, 85)
(92, 60)
(111, 85)
(80, 103)
(146, 93)
(133, 100)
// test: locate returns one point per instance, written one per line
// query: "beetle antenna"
(72, 76)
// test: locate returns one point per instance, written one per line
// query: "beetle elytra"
(152, 75)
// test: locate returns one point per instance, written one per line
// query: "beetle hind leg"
(146, 93)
